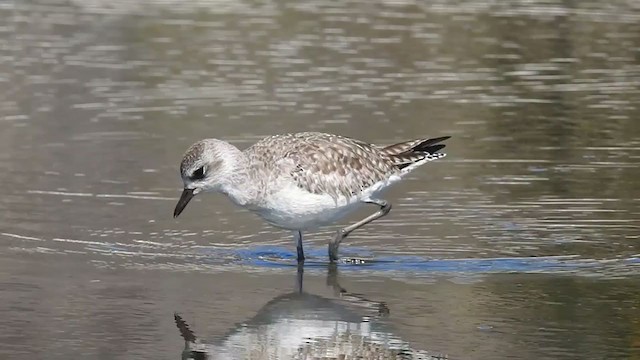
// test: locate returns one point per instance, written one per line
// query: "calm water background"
(523, 243)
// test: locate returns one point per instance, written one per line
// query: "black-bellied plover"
(304, 180)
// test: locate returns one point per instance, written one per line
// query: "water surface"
(523, 243)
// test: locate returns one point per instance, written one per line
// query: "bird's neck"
(238, 192)
(237, 185)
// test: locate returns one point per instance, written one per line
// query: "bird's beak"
(187, 195)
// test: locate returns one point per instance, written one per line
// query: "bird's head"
(207, 166)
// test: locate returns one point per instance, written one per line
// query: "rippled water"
(522, 243)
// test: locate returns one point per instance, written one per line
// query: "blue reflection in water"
(354, 259)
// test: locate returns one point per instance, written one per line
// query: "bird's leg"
(300, 277)
(385, 207)
(298, 236)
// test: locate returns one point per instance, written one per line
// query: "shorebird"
(302, 181)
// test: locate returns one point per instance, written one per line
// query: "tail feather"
(407, 153)
(185, 331)
(400, 148)
(430, 146)
(432, 149)
(425, 145)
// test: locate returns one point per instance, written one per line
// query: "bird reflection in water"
(299, 325)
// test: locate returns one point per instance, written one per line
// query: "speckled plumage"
(322, 163)
(303, 180)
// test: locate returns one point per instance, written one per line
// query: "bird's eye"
(198, 174)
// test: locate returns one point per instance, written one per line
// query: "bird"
(303, 181)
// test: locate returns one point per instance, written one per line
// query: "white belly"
(295, 209)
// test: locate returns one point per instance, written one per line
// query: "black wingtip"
(431, 145)
(435, 140)
(435, 148)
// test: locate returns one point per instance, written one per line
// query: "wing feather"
(323, 163)
(339, 166)
(326, 164)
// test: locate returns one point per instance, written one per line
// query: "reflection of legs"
(299, 277)
(298, 236)
(332, 278)
(385, 207)
(379, 308)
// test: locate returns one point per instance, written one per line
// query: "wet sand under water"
(522, 243)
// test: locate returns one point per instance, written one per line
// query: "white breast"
(295, 209)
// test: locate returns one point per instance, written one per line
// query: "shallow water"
(523, 243)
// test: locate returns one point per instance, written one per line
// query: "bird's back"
(322, 163)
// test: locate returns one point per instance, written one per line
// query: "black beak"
(187, 195)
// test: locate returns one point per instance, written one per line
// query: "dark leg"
(300, 277)
(385, 207)
(298, 236)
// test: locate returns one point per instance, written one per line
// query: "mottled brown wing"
(336, 165)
